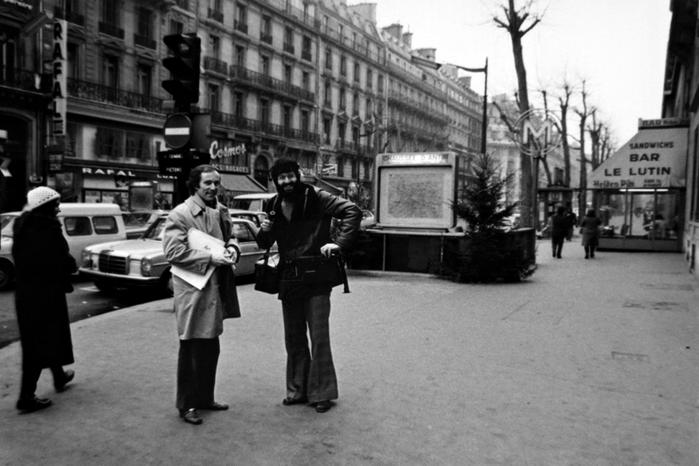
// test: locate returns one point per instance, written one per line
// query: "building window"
(355, 136)
(264, 111)
(368, 110)
(288, 40)
(214, 46)
(341, 131)
(110, 72)
(286, 117)
(306, 81)
(306, 48)
(379, 83)
(238, 101)
(144, 22)
(137, 146)
(264, 65)
(266, 30)
(355, 103)
(241, 21)
(343, 98)
(343, 65)
(369, 78)
(176, 27)
(144, 80)
(327, 125)
(288, 74)
(240, 56)
(340, 167)
(327, 93)
(356, 71)
(214, 98)
(328, 59)
(109, 143)
(110, 12)
(305, 120)
(73, 60)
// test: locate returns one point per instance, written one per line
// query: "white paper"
(197, 239)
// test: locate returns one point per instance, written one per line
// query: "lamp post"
(434, 65)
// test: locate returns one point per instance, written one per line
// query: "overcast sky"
(617, 46)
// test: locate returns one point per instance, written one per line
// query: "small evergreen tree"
(483, 207)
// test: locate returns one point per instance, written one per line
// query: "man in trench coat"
(200, 313)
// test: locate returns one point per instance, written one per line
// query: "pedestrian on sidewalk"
(299, 221)
(572, 221)
(43, 268)
(589, 228)
(558, 225)
(200, 313)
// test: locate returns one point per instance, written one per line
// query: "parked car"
(141, 262)
(253, 216)
(138, 221)
(83, 224)
(256, 202)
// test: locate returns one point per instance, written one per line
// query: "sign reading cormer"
(653, 158)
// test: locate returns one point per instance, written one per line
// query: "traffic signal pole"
(182, 136)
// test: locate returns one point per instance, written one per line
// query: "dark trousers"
(590, 251)
(557, 245)
(30, 378)
(196, 372)
(309, 373)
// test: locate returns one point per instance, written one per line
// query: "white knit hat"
(40, 196)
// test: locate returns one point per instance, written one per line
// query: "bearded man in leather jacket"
(299, 220)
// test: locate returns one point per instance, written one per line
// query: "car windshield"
(6, 223)
(155, 231)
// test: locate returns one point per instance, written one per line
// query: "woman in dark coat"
(589, 228)
(43, 267)
(559, 224)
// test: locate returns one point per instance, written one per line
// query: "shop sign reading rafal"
(58, 89)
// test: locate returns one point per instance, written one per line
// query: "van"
(256, 201)
(83, 224)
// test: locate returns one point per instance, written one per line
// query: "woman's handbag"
(317, 270)
(267, 274)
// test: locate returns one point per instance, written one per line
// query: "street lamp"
(434, 65)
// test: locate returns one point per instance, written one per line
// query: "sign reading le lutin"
(654, 158)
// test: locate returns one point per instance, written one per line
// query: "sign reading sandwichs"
(656, 157)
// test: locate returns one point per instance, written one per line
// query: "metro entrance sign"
(177, 130)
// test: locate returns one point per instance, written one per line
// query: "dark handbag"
(317, 270)
(267, 275)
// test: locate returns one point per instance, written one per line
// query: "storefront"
(639, 192)
(231, 157)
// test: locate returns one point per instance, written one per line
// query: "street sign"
(177, 130)
(179, 162)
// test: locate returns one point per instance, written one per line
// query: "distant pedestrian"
(589, 228)
(200, 313)
(572, 221)
(299, 221)
(43, 267)
(558, 225)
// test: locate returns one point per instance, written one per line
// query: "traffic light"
(183, 64)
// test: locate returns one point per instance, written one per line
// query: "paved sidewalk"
(589, 362)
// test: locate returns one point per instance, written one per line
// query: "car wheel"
(6, 275)
(104, 286)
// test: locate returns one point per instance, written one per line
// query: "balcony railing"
(291, 11)
(216, 15)
(240, 26)
(266, 37)
(259, 79)
(101, 93)
(288, 48)
(70, 16)
(144, 41)
(19, 79)
(234, 121)
(214, 64)
(111, 29)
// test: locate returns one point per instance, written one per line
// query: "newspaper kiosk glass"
(416, 190)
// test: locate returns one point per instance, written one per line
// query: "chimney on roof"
(428, 54)
(408, 39)
(395, 29)
(365, 10)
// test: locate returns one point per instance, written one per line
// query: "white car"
(141, 262)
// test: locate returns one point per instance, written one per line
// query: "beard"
(290, 194)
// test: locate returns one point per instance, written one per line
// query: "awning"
(241, 183)
(653, 158)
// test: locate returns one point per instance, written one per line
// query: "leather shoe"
(288, 401)
(323, 406)
(33, 404)
(216, 406)
(191, 416)
(60, 386)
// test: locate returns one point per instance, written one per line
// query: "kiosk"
(639, 191)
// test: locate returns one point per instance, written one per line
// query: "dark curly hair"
(195, 176)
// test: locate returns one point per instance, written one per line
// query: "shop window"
(77, 226)
(137, 146)
(109, 143)
(105, 225)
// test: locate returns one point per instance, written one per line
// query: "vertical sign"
(59, 87)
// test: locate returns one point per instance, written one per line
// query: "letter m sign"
(528, 131)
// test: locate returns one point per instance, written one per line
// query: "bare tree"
(583, 113)
(563, 103)
(518, 22)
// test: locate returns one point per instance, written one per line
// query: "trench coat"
(589, 227)
(43, 267)
(200, 313)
